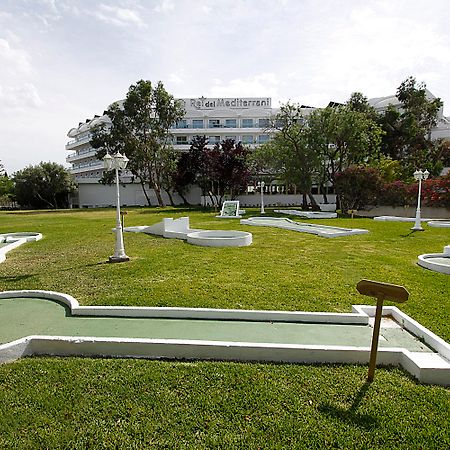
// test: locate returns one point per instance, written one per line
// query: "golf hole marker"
(380, 291)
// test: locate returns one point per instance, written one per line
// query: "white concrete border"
(433, 261)
(308, 214)
(439, 223)
(397, 219)
(284, 223)
(180, 229)
(219, 238)
(191, 313)
(14, 240)
(432, 368)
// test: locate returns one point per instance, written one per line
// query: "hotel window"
(214, 123)
(182, 140)
(248, 139)
(231, 137)
(247, 123)
(214, 139)
(230, 123)
(181, 124)
(263, 123)
(197, 123)
(263, 138)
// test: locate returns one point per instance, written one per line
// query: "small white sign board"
(230, 209)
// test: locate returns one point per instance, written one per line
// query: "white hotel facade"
(242, 119)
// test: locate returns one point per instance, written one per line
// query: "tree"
(140, 127)
(221, 170)
(46, 185)
(288, 154)
(343, 137)
(408, 130)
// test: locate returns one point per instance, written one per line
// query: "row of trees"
(314, 149)
(46, 185)
(304, 150)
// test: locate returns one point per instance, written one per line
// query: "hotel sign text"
(230, 103)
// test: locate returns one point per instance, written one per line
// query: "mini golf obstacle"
(180, 229)
(288, 224)
(397, 219)
(439, 262)
(439, 223)
(50, 323)
(307, 214)
(10, 241)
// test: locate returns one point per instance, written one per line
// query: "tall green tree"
(288, 154)
(408, 130)
(343, 137)
(140, 127)
(46, 185)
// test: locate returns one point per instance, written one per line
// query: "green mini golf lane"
(21, 317)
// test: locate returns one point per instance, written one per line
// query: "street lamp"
(419, 175)
(261, 185)
(117, 162)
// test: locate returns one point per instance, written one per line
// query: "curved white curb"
(438, 262)
(216, 238)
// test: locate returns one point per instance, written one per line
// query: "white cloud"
(13, 60)
(164, 6)
(118, 16)
(176, 78)
(19, 97)
(264, 84)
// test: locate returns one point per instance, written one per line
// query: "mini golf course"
(49, 323)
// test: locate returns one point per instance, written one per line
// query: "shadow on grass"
(411, 233)
(12, 279)
(351, 415)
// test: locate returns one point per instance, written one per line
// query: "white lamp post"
(261, 185)
(419, 175)
(117, 162)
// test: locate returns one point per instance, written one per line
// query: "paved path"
(21, 317)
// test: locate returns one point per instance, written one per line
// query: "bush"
(435, 192)
(357, 187)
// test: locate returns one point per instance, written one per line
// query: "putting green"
(21, 317)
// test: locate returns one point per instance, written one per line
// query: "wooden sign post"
(380, 291)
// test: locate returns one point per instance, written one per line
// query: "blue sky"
(63, 61)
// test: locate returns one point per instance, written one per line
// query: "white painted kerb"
(432, 368)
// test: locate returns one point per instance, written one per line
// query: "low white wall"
(401, 211)
(92, 195)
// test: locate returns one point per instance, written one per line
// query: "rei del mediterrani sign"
(229, 103)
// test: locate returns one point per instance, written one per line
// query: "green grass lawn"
(85, 403)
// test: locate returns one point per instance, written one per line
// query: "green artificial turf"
(85, 403)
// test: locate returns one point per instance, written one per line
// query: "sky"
(63, 61)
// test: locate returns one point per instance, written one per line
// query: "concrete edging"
(432, 368)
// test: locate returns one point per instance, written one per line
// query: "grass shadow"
(13, 279)
(351, 415)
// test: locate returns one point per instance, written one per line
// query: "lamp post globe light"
(419, 175)
(261, 185)
(117, 162)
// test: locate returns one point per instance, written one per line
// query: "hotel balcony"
(86, 167)
(78, 141)
(82, 154)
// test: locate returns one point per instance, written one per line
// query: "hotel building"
(242, 119)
